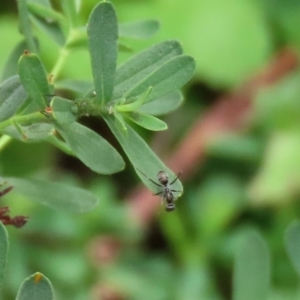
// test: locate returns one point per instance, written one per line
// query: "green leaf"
(140, 66)
(252, 269)
(292, 245)
(33, 133)
(33, 77)
(94, 151)
(141, 156)
(102, 35)
(55, 195)
(11, 65)
(139, 29)
(3, 251)
(146, 121)
(36, 287)
(162, 105)
(172, 75)
(135, 104)
(44, 10)
(25, 26)
(12, 95)
(63, 110)
(51, 29)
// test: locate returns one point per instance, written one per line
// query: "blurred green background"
(246, 179)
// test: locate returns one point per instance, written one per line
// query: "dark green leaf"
(292, 245)
(252, 269)
(162, 105)
(146, 121)
(94, 151)
(140, 66)
(3, 251)
(102, 35)
(33, 133)
(11, 65)
(139, 29)
(172, 75)
(12, 95)
(55, 195)
(36, 287)
(33, 77)
(63, 110)
(140, 155)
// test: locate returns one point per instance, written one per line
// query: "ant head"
(163, 177)
(170, 207)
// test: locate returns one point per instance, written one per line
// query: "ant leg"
(176, 178)
(149, 178)
(158, 193)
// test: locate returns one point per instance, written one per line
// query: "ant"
(167, 193)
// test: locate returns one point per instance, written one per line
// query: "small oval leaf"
(139, 29)
(93, 150)
(36, 287)
(55, 195)
(33, 77)
(102, 36)
(146, 121)
(3, 251)
(62, 110)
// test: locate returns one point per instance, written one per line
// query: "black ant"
(167, 193)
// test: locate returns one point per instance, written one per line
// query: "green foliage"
(3, 252)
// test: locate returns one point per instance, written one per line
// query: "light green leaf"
(140, 66)
(141, 156)
(252, 269)
(34, 79)
(12, 95)
(135, 104)
(63, 110)
(3, 251)
(292, 245)
(36, 287)
(146, 121)
(172, 75)
(25, 26)
(55, 195)
(162, 105)
(139, 29)
(94, 151)
(102, 35)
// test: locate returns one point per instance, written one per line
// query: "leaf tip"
(37, 277)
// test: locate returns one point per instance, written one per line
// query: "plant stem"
(30, 118)
(59, 64)
(4, 141)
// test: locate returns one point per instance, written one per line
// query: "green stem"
(60, 145)
(59, 64)
(30, 118)
(4, 141)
